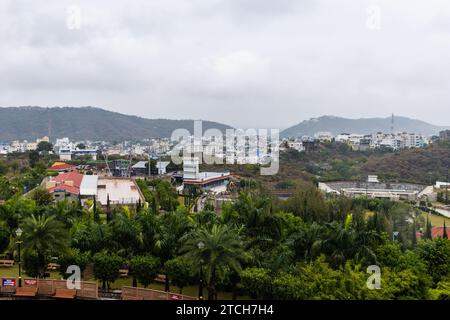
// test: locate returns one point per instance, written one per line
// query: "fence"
(150, 294)
(46, 287)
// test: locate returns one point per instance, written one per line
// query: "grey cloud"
(244, 62)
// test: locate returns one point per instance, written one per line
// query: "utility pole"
(446, 189)
(149, 165)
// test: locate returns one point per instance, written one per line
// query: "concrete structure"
(210, 181)
(161, 166)
(392, 191)
(4, 148)
(88, 187)
(67, 153)
(64, 186)
(140, 168)
(190, 169)
(442, 185)
(62, 167)
(444, 135)
(122, 191)
(74, 186)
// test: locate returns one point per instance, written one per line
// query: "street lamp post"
(19, 233)
(201, 245)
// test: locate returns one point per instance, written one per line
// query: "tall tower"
(392, 124)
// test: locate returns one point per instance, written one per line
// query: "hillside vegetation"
(337, 125)
(86, 123)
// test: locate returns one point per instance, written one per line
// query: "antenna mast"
(392, 124)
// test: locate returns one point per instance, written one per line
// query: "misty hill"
(337, 125)
(86, 123)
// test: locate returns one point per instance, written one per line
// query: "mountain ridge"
(337, 125)
(87, 123)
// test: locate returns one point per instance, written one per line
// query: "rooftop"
(206, 177)
(61, 166)
(119, 190)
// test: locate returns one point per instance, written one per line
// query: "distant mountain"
(337, 125)
(86, 123)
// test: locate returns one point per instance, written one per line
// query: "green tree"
(257, 282)
(179, 271)
(145, 268)
(33, 157)
(126, 233)
(4, 236)
(44, 235)
(73, 257)
(15, 165)
(216, 249)
(3, 168)
(428, 233)
(31, 264)
(42, 197)
(436, 255)
(106, 267)
(172, 227)
(444, 234)
(44, 146)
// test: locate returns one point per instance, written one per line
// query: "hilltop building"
(374, 189)
(208, 181)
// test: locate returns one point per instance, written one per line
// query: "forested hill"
(86, 123)
(337, 125)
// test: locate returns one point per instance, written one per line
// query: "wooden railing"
(150, 294)
(88, 290)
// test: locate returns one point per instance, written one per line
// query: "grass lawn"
(436, 221)
(14, 272)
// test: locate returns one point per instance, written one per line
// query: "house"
(67, 153)
(62, 167)
(161, 166)
(65, 185)
(76, 186)
(208, 181)
(119, 191)
(140, 168)
(442, 185)
(88, 187)
(444, 135)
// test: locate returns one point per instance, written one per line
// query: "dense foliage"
(310, 246)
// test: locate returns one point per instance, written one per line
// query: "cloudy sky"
(248, 63)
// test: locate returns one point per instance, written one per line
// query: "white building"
(161, 166)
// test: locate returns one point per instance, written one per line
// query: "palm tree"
(44, 235)
(215, 249)
(172, 226)
(308, 242)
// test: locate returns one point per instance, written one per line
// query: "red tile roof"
(65, 188)
(62, 167)
(63, 178)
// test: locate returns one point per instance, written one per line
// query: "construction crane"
(108, 170)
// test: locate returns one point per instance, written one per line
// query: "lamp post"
(201, 245)
(19, 234)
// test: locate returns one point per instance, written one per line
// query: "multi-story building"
(444, 135)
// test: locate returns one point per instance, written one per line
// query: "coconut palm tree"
(44, 235)
(173, 226)
(215, 249)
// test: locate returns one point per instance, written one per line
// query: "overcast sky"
(247, 63)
